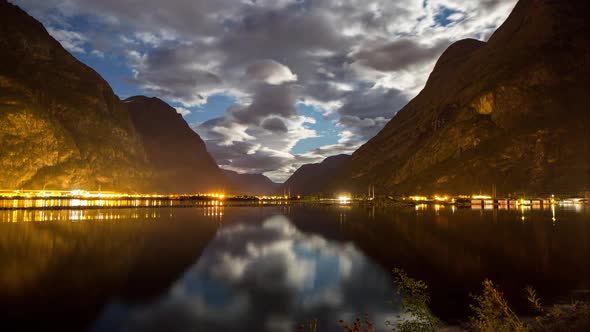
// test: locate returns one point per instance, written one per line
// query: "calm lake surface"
(270, 268)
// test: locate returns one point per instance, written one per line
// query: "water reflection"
(264, 277)
(67, 203)
(268, 268)
(80, 215)
(97, 211)
(454, 251)
(61, 273)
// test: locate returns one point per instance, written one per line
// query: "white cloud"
(71, 40)
(97, 54)
(183, 111)
(271, 72)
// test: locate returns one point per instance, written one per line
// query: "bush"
(416, 316)
(492, 313)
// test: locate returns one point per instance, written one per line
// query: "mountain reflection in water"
(269, 268)
(62, 273)
(266, 276)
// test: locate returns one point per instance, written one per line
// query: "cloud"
(275, 125)
(400, 54)
(152, 39)
(97, 53)
(258, 137)
(353, 62)
(456, 17)
(174, 73)
(271, 72)
(373, 103)
(362, 129)
(268, 100)
(266, 276)
(71, 40)
(183, 111)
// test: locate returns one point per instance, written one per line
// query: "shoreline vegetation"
(490, 313)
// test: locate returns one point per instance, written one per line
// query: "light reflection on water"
(100, 203)
(77, 215)
(78, 210)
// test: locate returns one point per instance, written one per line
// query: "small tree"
(416, 315)
(492, 312)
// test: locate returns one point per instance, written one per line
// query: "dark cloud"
(275, 125)
(237, 157)
(269, 100)
(175, 72)
(363, 128)
(283, 35)
(492, 4)
(400, 54)
(373, 103)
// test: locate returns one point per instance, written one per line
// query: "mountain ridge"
(54, 109)
(178, 155)
(63, 128)
(493, 114)
(250, 184)
(314, 178)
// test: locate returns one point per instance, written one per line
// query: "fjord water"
(270, 268)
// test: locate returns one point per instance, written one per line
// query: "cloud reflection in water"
(264, 277)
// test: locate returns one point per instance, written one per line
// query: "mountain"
(250, 184)
(178, 156)
(61, 125)
(512, 112)
(313, 178)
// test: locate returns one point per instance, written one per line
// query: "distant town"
(36, 199)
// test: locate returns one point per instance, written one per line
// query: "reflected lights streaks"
(421, 207)
(83, 213)
(99, 203)
(79, 215)
(215, 211)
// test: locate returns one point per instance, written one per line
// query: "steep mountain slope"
(250, 184)
(177, 154)
(313, 178)
(61, 125)
(514, 112)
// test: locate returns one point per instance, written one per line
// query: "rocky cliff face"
(180, 161)
(61, 125)
(250, 184)
(314, 178)
(514, 112)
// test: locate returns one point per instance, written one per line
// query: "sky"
(270, 85)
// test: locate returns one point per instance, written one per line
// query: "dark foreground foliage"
(491, 313)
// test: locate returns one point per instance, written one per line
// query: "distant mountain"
(178, 156)
(314, 178)
(61, 125)
(513, 111)
(250, 184)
